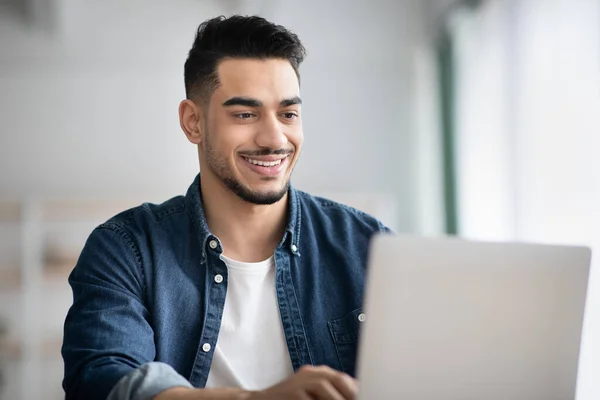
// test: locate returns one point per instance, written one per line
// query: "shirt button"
(206, 347)
(362, 317)
(213, 244)
(218, 278)
(294, 248)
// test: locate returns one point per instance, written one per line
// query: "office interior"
(478, 119)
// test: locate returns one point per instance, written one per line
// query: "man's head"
(243, 105)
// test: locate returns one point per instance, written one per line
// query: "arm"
(309, 382)
(145, 382)
(203, 394)
(107, 334)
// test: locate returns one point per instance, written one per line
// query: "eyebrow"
(243, 101)
(290, 102)
(254, 103)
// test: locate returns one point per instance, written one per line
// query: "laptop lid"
(455, 319)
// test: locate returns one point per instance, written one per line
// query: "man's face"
(253, 128)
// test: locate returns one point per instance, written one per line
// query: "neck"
(248, 232)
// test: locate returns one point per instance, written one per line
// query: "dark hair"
(236, 37)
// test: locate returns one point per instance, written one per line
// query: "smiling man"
(244, 288)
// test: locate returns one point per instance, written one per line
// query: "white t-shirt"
(251, 351)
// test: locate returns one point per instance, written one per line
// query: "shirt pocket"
(345, 332)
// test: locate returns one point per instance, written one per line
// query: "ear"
(191, 119)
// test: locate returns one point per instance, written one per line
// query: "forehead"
(268, 79)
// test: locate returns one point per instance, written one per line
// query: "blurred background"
(472, 118)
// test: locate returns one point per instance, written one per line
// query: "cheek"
(222, 141)
(296, 137)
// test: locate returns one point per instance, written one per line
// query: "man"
(245, 288)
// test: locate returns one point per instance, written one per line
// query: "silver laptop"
(453, 319)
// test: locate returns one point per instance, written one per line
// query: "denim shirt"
(144, 293)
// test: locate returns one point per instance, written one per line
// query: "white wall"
(528, 106)
(90, 108)
(558, 121)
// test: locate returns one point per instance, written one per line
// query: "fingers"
(332, 384)
(322, 389)
(346, 385)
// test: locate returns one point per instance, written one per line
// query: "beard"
(254, 197)
(218, 166)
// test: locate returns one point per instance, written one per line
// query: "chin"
(258, 194)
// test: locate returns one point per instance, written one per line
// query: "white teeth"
(264, 163)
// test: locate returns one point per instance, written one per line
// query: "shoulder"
(332, 214)
(148, 216)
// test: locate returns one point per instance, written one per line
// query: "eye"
(245, 115)
(289, 115)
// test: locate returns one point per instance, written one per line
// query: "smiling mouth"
(268, 166)
(264, 163)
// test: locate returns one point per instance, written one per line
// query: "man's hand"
(311, 383)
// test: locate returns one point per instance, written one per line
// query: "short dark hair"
(236, 37)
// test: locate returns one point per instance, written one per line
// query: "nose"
(271, 134)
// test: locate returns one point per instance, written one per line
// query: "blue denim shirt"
(144, 292)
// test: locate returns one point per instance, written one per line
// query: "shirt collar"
(291, 237)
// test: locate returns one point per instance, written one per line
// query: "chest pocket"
(345, 332)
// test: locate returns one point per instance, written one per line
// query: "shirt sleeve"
(146, 382)
(107, 333)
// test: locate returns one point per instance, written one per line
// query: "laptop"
(461, 320)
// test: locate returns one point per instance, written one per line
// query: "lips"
(271, 165)
(264, 163)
